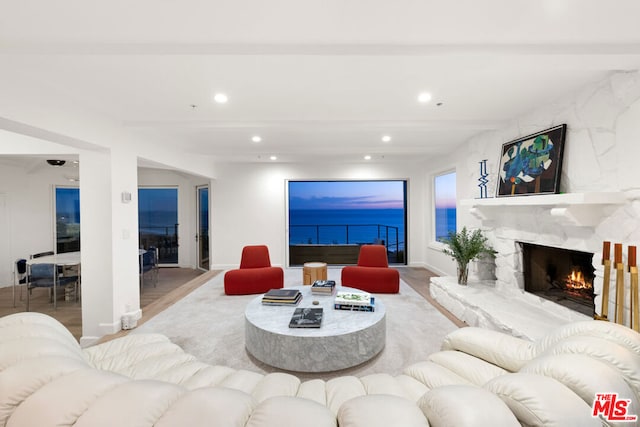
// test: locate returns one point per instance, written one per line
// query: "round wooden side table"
(312, 271)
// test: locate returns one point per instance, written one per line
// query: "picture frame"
(532, 164)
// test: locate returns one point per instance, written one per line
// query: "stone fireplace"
(527, 296)
(563, 276)
(599, 201)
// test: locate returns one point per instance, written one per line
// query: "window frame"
(55, 215)
(406, 189)
(435, 243)
(163, 187)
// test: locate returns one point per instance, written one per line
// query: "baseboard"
(223, 266)
(418, 265)
(436, 270)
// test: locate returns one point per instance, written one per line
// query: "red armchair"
(372, 274)
(256, 275)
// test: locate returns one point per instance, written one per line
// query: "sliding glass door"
(67, 205)
(202, 237)
(158, 222)
(330, 220)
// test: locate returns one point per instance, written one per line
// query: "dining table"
(63, 259)
(66, 259)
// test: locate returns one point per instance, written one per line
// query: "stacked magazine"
(323, 287)
(354, 301)
(282, 297)
(308, 317)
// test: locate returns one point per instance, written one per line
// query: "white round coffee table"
(345, 339)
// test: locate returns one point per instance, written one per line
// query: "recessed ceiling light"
(220, 98)
(367, 157)
(273, 158)
(256, 138)
(386, 138)
(424, 97)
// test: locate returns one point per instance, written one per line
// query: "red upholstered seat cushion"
(373, 256)
(255, 275)
(255, 257)
(372, 274)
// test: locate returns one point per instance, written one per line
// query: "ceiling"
(316, 80)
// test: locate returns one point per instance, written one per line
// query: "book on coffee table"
(282, 297)
(356, 307)
(306, 317)
(354, 301)
(323, 287)
(353, 298)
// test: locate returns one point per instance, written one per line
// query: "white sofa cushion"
(450, 406)
(500, 349)
(472, 369)
(604, 350)
(209, 407)
(540, 401)
(291, 412)
(380, 410)
(584, 376)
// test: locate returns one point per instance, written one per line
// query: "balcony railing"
(165, 238)
(349, 234)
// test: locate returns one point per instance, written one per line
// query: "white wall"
(249, 206)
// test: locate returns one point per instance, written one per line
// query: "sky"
(445, 191)
(158, 199)
(346, 194)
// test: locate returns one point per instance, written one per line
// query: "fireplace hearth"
(560, 275)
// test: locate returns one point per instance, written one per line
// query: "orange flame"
(575, 280)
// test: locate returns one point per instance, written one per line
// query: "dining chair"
(19, 277)
(46, 276)
(63, 271)
(148, 264)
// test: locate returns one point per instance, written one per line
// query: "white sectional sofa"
(480, 378)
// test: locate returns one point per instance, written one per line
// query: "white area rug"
(210, 325)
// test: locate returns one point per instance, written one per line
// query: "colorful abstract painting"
(533, 164)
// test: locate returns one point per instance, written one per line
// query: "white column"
(109, 241)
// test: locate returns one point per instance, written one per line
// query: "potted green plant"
(464, 247)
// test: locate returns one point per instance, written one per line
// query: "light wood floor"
(173, 285)
(420, 279)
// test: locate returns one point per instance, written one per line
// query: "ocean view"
(445, 221)
(329, 226)
(157, 222)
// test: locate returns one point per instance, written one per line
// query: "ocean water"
(445, 222)
(342, 226)
(157, 222)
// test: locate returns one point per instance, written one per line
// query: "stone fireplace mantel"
(577, 209)
(572, 221)
(511, 311)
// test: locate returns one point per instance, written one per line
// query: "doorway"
(5, 267)
(202, 236)
(158, 222)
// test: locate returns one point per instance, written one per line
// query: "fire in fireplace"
(561, 275)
